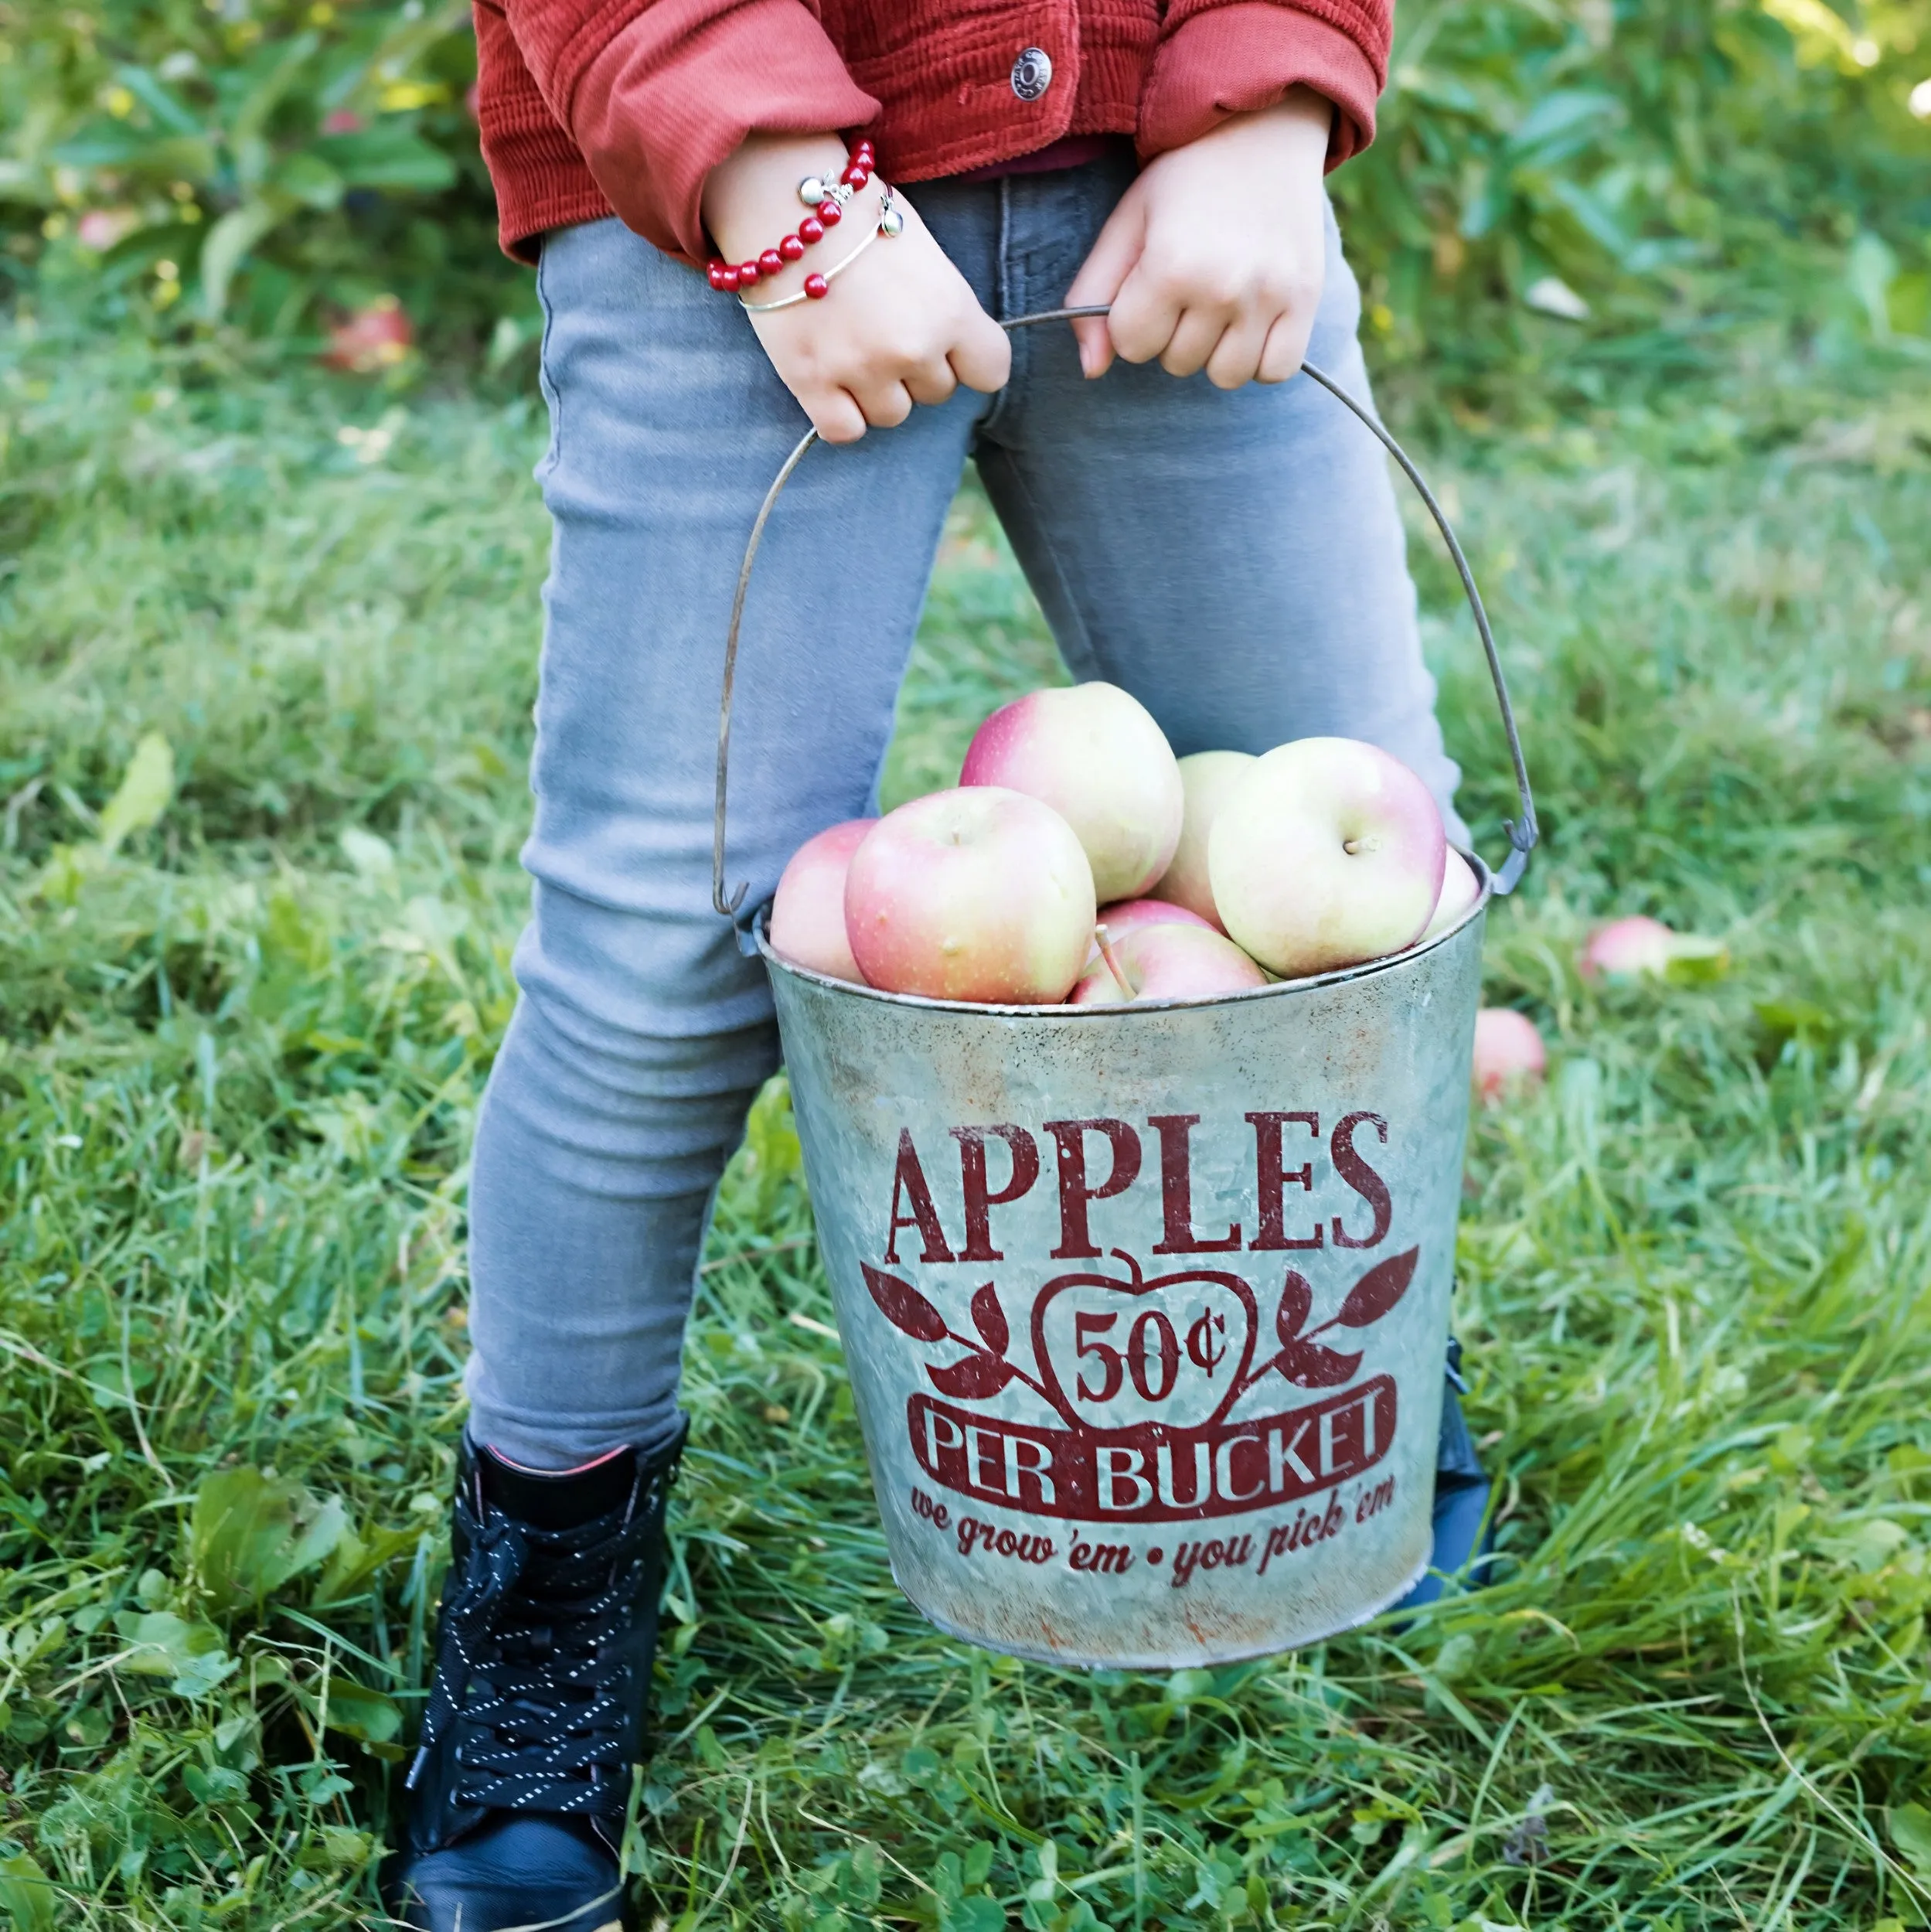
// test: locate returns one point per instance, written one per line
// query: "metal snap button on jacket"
(1032, 72)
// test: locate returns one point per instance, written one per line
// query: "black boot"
(518, 1792)
(1461, 1511)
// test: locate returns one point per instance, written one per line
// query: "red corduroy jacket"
(591, 106)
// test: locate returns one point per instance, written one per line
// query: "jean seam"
(1002, 282)
(1045, 546)
(546, 380)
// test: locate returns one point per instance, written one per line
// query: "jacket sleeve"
(1219, 57)
(656, 93)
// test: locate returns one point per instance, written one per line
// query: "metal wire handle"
(1522, 831)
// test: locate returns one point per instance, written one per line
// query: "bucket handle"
(1522, 831)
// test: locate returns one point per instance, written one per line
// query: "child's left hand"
(1215, 257)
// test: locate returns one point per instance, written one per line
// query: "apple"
(1327, 852)
(1640, 948)
(1127, 915)
(1460, 889)
(100, 229)
(1625, 948)
(375, 338)
(1206, 779)
(981, 893)
(1508, 1052)
(1169, 961)
(807, 916)
(1094, 753)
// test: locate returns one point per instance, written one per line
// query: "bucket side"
(1145, 1316)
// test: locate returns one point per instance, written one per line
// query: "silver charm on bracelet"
(891, 224)
(813, 189)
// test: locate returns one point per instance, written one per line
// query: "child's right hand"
(900, 327)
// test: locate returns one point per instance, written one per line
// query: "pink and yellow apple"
(980, 892)
(1460, 889)
(1094, 753)
(1328, 852)
(1508, 1052)
(1170, 962)
(1627, 948)
(1128, 915)
(1639, 948)
(1207, 780)
(807, 916)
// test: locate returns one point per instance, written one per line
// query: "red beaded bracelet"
(891, 223)
(827, 202)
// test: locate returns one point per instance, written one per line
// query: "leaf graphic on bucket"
(981, 1373)
(1297, 1299)
(904, 1306)
(973, 1379)
(989, 1319)
(1302, 1360)
(1307, 1365)
(1378, 1290)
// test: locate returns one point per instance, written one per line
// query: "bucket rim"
(1392, 962)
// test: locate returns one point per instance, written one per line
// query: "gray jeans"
(1234, 560)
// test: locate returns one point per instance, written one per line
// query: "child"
(1221, 542)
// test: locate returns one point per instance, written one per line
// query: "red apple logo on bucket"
(1110, 1354)
(1145, 1373)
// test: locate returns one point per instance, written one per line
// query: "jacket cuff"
(1237, 58)
(668, 99)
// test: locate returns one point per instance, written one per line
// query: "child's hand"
(1215, 257)
(902, 326)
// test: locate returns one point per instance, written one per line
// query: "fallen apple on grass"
(1509, 1052)
(980, 892)
(101, 229)
(373, 338)
(1639, 948)
(807, 916)
(1094, 755)
(1207, 779)
(1329, 852)
(1169, 961)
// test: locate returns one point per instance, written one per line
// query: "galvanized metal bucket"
(1145, 1307)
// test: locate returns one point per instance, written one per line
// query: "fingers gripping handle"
(1522, 832)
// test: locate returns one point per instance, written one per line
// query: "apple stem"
(1113, 959)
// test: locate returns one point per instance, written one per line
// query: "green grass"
(239, 1058)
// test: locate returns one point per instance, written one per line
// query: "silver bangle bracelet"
(890, 224)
